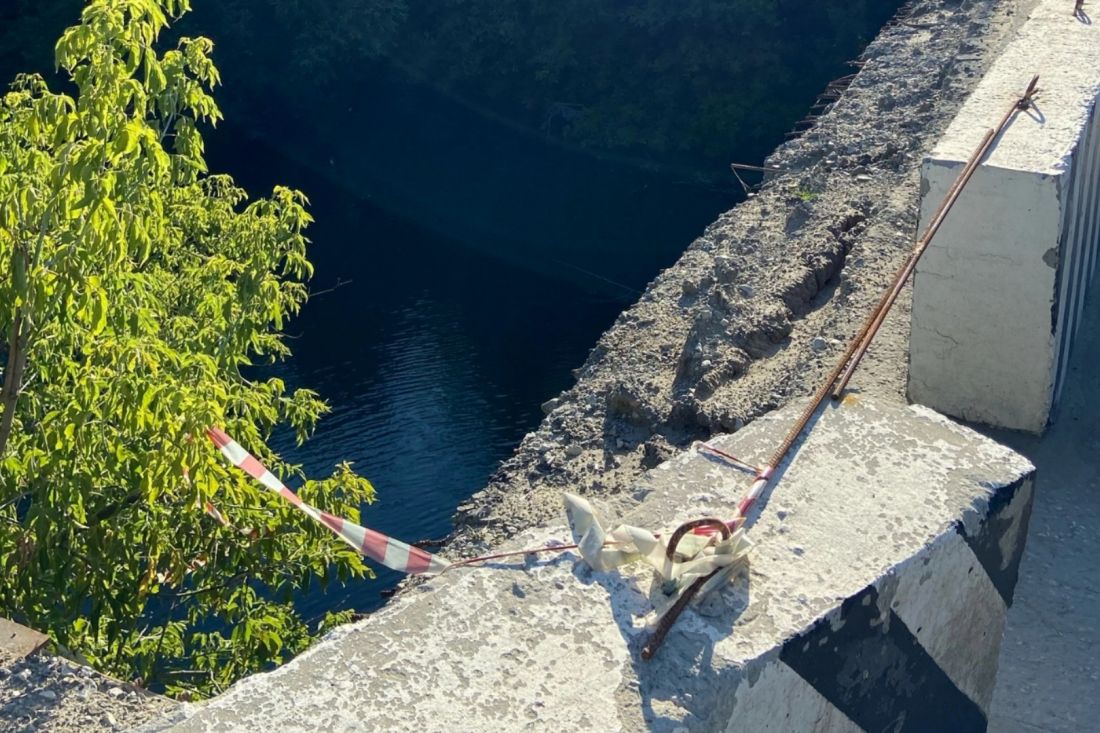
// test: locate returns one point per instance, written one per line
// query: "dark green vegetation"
(135, 291)
(687, 83)
(690, 82)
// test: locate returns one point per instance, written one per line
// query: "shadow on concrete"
(781, 470)
(682, 685)
(679, 686)
(1035, 113)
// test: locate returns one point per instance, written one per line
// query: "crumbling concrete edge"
(876, 660)
(906, 563)
(890, 611)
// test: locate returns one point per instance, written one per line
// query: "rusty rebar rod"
(845, 366)
(664, 625)
(883, 309)
(653, 643)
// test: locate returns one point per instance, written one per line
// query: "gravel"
(46, 694)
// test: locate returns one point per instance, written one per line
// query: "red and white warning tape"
(762, 477)
(375, 545)
(761, 474)
(408, 559)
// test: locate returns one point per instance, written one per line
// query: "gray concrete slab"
(1049, 676)
(996, 298)
(874, 595)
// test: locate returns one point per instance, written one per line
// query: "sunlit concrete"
(877, 591)
(997, 298)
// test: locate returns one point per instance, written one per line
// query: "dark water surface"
(483, 261)
(437, 354)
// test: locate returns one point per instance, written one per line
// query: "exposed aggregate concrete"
(47, 694)
(761, 305)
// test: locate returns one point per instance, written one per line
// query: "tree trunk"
(13, 378)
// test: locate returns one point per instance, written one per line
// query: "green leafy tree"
(136, 290)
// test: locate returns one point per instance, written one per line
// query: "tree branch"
(13, 377)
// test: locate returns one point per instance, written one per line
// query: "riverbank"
(753, 313)
(759, 307)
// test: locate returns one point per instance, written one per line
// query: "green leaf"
(99, 312)
(146, 285)
(128, 137)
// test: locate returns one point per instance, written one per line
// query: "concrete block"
(875, 600)
(997, 298)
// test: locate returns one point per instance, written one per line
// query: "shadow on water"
(434, 355)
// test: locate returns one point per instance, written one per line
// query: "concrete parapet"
(997, 298)
(875, 600)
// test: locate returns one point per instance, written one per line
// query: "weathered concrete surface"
(875, 598)
(1049, 677)
(997, 298)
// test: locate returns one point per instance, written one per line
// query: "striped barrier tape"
(761, 476)
(392, 553)
(601, 549)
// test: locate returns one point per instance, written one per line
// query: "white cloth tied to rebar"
(696, 555)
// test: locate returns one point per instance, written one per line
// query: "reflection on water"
(434, 356)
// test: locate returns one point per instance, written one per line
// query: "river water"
(467, 259)
(464, 267)
(436, 354)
